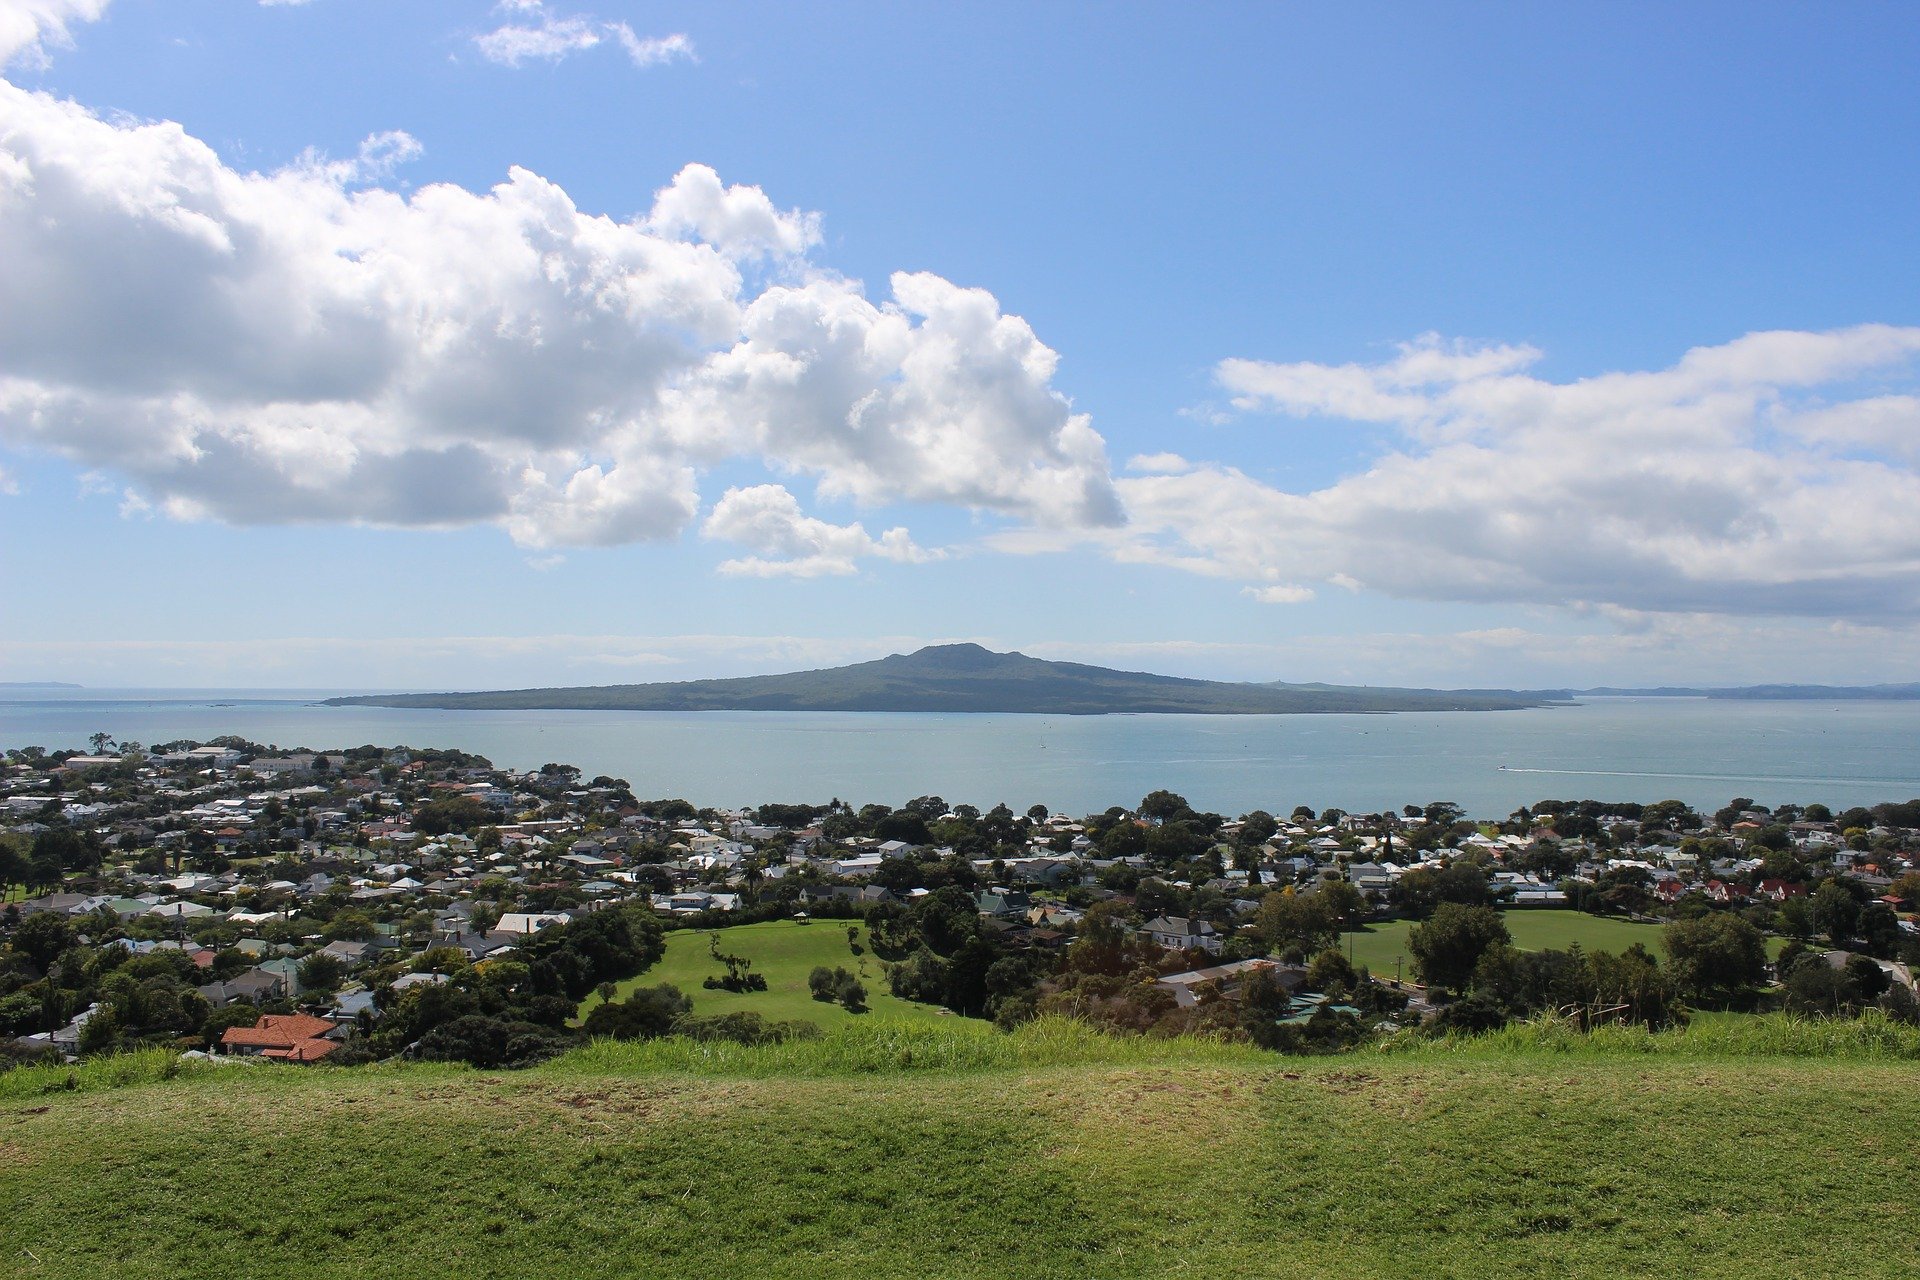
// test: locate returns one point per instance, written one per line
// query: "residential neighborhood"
(244, 901)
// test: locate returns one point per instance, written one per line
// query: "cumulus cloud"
(767, 519)
(309, 345)
(1285, 593)
(1748, 478)
(29, 28)
(535, 34)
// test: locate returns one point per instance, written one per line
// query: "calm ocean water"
(1618, 749)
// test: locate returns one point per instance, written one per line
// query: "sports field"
(785, 951)
(1380, 946)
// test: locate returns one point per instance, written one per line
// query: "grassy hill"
(784, 952)
(966, 677)
(889, 1150)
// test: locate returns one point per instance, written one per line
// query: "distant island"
(1774, 693)
(969, 678)
(39, 684)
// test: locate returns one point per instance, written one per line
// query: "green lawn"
(1148, 1159)
(1378, 946)
(785, 951)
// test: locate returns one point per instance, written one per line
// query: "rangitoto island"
(969, 678)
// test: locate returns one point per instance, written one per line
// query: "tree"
(1344, 902)
(1263, 1003)
(1796, 917)
(1258, 827)
(946, 919)
(1716, 957)
(1164, 806)
(1295, 922)
(321, 973)
(648, 1012)
(1446, 948)
(1836, 911)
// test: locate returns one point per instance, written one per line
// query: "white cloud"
(651, 51)
(307, 345)
(9, 487)
(29, 28)
(1283, 594)
(1710, 486)
(767, 519)
(739, 221)
(956, 409)
(543, 36)
(1160, 464)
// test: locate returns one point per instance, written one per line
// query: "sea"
(1701, 751)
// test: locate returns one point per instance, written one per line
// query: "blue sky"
(1371, 327)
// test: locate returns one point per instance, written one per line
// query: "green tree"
(321, 973)
(1716, 957)
(1836, 911)
(1290, 922)
(1446, 948)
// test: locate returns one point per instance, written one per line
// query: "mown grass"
(1057, 1153)
(784, 952)
(1380, 946)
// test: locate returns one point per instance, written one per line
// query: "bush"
(838, 985)
(648, 1012)
(486, 1042)
(743, 1028)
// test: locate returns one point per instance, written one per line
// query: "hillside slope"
(1158, 1159)
(966, 677)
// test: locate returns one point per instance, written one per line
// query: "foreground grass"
(784, 952)
(1055, 1153)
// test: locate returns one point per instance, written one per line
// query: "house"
(347, 952)
(283, 1037)
(1177, 933)
(250, 987)
(1187, 988)
(527, 922)
(1000, 904)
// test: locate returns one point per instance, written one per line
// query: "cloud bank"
(308, 345)
(318, 344)
(1767, 475)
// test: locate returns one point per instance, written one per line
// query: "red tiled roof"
(278, 1031)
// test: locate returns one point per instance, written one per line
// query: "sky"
(453, 345)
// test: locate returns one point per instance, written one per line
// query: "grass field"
(785, 952)
(1379, 946)
(1051, 1154)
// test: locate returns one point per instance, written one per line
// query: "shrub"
(648, 1012)
(743, 1028)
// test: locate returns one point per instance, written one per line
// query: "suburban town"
(238, 901)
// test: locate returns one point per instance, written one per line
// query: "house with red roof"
(283, 1037)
